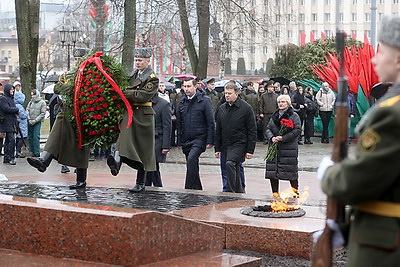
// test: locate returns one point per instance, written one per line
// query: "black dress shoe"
(113, 164)
(138, 188)
(12, 162)
(78, 185)
(300, 143)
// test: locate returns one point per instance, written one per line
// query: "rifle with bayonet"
(323, 250)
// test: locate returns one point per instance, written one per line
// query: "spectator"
(284, 90)
(1, 138)
(162, 133)
(311, 113)
(17, 86)
(211, 93)
(195, 125)
(268, 105)
(36, 110)
(164, 94)
(8, 119)
(284, 164)
(299, 107)
(326, 101)
(22, 125)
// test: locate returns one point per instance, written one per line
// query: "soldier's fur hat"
(389, 32)
(80, 52)
(143, 52)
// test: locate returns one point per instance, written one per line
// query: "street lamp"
(68, 38)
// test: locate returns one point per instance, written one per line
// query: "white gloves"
(337, 237)
(323, 166)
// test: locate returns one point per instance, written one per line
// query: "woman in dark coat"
(8, 120)
(285, 165)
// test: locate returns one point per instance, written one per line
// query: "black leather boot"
(41, 163)
(80, 179)
(140, 179)
(114, 163)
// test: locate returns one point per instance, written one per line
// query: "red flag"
(312, 37)
(354, 35)
(323, 35)
(366, 41)
(302, 38)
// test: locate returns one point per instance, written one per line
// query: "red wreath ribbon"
(78, 84)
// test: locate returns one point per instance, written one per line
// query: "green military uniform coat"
(63, 144)
(374, 175)
(213, 95)
(137, 142)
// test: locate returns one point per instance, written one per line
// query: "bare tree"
(99, 7)
(198, 61)
(27, 17)
(129, 34)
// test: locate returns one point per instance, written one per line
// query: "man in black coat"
(235, 135)
(195, 124)
(8, 120)
(162, 131)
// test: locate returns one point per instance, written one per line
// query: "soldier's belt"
(146, 104)
(388, 209)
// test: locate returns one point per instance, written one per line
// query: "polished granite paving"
(162, 201)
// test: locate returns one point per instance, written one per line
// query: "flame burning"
(280, 204)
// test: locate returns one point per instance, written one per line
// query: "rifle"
(322, 255)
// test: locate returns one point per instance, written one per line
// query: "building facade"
(256, 28)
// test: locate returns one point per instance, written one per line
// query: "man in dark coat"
(8, 120)
(135, 145)
(162, 131)
(195, 126)
(235, 135)
(370, 181)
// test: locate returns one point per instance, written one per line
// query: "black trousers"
(234, 183)
(154, 178)
(275, 184)
(192, 154)
(325, 118)
(9, 147)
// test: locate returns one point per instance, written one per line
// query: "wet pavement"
(105, 189)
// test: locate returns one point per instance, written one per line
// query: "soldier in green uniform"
(211, 93)
(135, 145)
(62, 145)
(370, 182)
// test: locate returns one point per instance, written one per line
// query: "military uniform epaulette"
(390, 102)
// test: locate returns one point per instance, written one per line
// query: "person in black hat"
(211, 93)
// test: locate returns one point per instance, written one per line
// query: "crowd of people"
(193, 115)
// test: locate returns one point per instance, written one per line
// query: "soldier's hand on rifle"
(323, 166)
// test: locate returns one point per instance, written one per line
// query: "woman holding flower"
(282, 132)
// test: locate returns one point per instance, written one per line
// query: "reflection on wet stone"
(149, 200)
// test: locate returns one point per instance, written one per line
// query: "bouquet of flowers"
(272, 152)
(95, 100)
